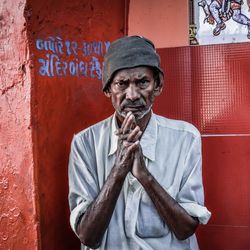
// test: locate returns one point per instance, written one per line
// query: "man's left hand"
(139, 167)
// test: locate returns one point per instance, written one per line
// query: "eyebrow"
(125, 79)
(121, 80)
(143, 76)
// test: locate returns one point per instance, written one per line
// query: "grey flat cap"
(129, 52)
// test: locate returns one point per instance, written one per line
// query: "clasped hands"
(129, 155)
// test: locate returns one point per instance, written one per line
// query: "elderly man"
(135, 178)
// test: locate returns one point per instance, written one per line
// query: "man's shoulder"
(96, 129)
(177, 125)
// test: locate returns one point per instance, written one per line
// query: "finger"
(123, 136)
(125, 120)
(118, 132)
(133, 147)
(134, 135)
(126, 144)
(129, 124)
(138, 136)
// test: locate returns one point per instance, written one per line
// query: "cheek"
(152, 98)
(149, 97)
(116, 100)
(113, 99)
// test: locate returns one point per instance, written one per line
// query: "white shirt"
(172, 153)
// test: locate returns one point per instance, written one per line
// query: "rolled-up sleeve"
(83, 186)
(191, 194)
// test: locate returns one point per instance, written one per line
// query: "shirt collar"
(148, 140)
(113, 137)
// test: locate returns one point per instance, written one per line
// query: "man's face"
(133, 90)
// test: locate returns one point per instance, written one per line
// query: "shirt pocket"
(149, 223)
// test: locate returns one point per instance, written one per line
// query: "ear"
(107, 93)
(158, 88)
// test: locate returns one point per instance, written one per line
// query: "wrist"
(120, 172)
(144, 176)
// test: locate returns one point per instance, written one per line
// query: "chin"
(140, 115)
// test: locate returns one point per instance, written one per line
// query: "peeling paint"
(4, 183)
(17, 194)
(42, 143)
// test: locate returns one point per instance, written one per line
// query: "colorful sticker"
(219, 21)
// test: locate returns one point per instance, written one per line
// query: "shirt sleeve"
(191, 194)
(83, 187)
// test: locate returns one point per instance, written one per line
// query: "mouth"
(133, 108)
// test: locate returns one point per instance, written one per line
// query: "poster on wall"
(219, 21)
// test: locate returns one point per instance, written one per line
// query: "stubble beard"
(138, 117)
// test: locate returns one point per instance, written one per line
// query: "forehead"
(137, 72)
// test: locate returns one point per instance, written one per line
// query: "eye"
(121, 84)
(143, 83)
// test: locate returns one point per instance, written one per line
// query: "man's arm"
(97, 217)
(178, 220)
(95, 220)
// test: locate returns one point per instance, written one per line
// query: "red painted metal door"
(209, 86)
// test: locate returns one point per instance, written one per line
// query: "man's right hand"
(101, 209)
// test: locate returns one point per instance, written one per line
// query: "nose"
(132, 92)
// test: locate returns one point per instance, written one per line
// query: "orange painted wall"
(65, 99)
(18, 216)
(163, 21)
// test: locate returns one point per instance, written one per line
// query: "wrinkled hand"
(129, 153)
(139, 167)
(129, 131)
(128, 143)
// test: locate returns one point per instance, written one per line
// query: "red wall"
(18, 216)
(68, 40)
(209, 86)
